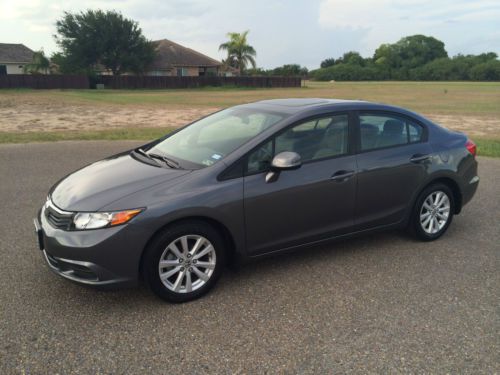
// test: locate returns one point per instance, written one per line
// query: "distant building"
(13, 58)
(172, 59)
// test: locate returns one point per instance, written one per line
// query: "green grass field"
(476, 101)
(427, 97)
(91, 135)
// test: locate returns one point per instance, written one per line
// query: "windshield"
(209, 140)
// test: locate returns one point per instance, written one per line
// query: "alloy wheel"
(187, 263)
(435, 212)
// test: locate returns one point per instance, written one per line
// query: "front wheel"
(184, 261)
(433, 212)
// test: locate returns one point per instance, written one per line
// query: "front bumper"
(105, 258)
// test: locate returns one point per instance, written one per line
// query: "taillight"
(471, 147)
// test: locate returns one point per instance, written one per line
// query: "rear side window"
(387, 130)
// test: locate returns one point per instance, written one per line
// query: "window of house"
(385, 130)
(312, 140)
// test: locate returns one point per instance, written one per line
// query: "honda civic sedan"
(249, 181)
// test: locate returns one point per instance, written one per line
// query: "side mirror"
(284, 161)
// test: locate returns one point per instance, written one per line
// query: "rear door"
(393, 156)
(306, 204)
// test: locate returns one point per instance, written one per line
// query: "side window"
(415, 132)
(312, 140)
(259, 160)
(384, 130)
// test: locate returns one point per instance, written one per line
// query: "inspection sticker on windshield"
(216, 156)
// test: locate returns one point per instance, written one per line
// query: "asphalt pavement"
(383, 303)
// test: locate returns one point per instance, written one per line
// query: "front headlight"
(96, 220)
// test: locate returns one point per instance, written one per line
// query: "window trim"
(350, 139)
(359, 113)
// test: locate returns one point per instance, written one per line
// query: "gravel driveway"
(383, 303)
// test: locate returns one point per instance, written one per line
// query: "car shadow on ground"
(280, 269)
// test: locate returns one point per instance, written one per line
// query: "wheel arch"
(227, 236)
(455, 189)
(451, 183)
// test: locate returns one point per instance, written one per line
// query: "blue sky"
(293, 31)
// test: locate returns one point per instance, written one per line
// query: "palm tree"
(239, 53)
(39, 64)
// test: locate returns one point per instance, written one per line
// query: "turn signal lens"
(123, 217)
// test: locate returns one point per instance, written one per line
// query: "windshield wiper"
(152, 156)
(170, 162)
(145, 154)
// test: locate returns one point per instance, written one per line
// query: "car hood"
(108, 180)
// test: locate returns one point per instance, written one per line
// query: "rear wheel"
(433, 212)
(184, 261)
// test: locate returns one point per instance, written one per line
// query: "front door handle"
(342, 175)
(417, 158)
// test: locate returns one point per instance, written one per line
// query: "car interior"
(316, 139)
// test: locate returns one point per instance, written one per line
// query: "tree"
(487, 71)
(39, 64)
(90, 38)
(352, 58)
(258, 72)
(328, 62)
(290, 70)
(347, 72)
(408, 53)
(239, 52)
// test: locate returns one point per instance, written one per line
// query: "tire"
(433, 212)
(181, 277)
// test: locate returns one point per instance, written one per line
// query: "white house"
(13, 58)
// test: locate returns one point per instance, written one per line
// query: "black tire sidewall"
(419, 231)
(162, 240)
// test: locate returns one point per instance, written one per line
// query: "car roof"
(305, 102)
(307, 106)
(292, 105)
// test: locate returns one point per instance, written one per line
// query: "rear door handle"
(417, 158)
(342, 175)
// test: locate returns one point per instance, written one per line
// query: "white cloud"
(282, 31)
(384, 21)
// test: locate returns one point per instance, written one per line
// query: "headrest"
(393, 127)
(369, 128)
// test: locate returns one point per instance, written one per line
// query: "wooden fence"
(150, 82)
(139, 82)
(40, 81)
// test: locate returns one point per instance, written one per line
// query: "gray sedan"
(250, 181)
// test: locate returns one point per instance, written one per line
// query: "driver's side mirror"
(284, 161)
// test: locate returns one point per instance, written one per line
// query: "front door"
(304, 205)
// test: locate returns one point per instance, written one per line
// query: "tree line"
(416, 58)
(94, 39)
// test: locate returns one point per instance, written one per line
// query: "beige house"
(172, 59)
(13, 58)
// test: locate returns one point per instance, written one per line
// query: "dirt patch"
(29, 117)
(30, 114)
(471, 125)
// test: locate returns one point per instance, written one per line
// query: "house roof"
(171, 54)
(15, 53)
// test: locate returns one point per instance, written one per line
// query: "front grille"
(58, 219)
